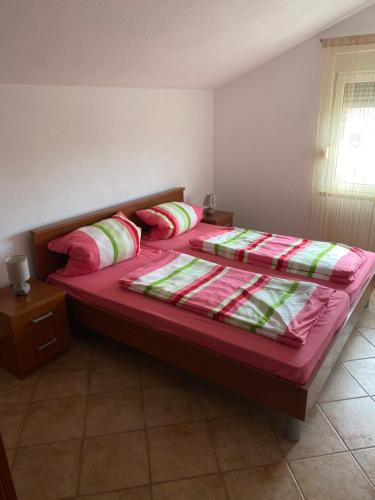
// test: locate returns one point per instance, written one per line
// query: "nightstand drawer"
(48, 317)
(41, 347)
(43, 340)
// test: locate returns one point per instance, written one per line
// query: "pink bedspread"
(102, 289)
(181, 244)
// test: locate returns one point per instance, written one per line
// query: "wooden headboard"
(46, 261)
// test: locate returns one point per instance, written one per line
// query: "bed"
(272, 374)
(102, 290)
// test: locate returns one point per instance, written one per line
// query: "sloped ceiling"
(153, 43)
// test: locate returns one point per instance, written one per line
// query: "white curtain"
(343, 202)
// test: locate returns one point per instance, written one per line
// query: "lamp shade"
(210, 203)
(18, 269)
(209, 200)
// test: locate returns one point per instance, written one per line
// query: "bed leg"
(292, 429)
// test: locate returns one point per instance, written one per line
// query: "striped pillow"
(103, 244)
(170, 219)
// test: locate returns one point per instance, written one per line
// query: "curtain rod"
(340, 41)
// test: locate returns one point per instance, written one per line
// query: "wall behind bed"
(265, 134)
(69, 150)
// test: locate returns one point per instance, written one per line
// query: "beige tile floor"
(104, 422)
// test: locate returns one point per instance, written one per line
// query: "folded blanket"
(276, 308)
(316, 259)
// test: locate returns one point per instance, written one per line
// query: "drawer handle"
(47, 344)
(41, 318)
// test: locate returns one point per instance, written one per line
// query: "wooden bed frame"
(292, 399)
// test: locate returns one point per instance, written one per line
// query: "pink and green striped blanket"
(276, 308)
(315, 259)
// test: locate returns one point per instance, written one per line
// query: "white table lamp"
(18, 274)
(209, 203)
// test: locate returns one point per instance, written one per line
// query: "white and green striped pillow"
(170, 219)
(100, 245)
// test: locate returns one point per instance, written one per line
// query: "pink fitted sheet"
(102, 289)
(181, 244)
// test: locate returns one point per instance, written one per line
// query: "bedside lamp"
(209, 203)
(18, 274)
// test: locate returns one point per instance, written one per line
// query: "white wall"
(69, 150)
(264, 136)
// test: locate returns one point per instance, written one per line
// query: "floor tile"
(181, 451)
(340, 385)
(366, 459)
(55, 420)
(8, 380)
(113, 378)
(332, 477)
(354, 420)
(171, 405)
(317, 436)
(107, 352)
(14, 390)
(357, 347)
(363, 370)
(17, 394)
(113, 462)
(219, 402)
(199, 488)
(367, 319)
(12, 418)
(141, 493)
(10, 453)
(79, 354)
(124, 408)
(369, 334)
(273, 482)
(155, 373)
(61, 383)
(244, 442)
(47, 472)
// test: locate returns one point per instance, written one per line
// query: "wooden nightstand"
(33, 328)
(219, 218)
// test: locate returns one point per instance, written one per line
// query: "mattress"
(181, 244)
(102, 289)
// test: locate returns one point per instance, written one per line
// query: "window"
(354, 109)
(343, 187)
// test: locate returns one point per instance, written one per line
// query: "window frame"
(341, 79)
(345, 64)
